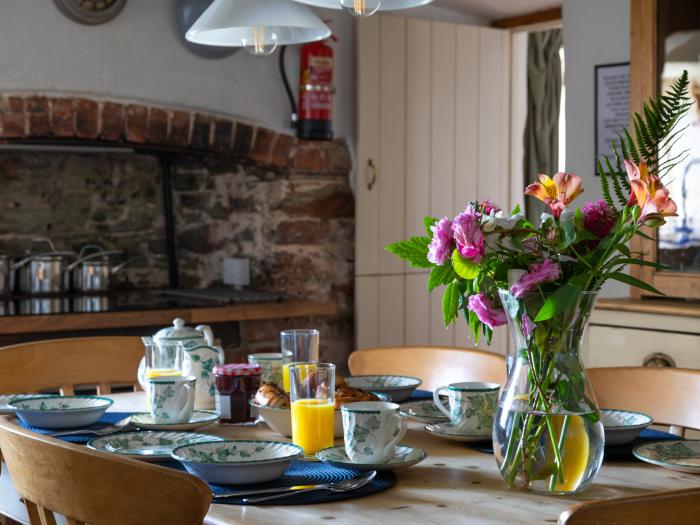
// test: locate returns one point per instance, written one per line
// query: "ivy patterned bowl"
(623, 426)
(58, 412)
(682, 455)
(398, 388)
(237, 462)
(7, 399)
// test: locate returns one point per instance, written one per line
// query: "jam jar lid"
(237, 369)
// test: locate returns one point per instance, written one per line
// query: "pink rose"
(440, 248)
(484, 310)
(543, 272)
(468, 236)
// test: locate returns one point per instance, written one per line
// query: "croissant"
(346, 394)
(270, 395)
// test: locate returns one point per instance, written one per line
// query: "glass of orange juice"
(162, 360)
(298, 346)
(312, 393)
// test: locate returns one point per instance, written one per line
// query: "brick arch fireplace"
(238, 189)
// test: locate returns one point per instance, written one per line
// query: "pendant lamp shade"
(384, 5)
(239, 22)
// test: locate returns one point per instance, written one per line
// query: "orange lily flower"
(649, 193)
(556, 192)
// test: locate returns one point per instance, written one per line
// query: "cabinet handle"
(372, 174)
(659, 360)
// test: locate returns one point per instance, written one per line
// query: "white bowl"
(398, 388)
(623, 426)
(57, 412)
(280, 420)
(237, 462)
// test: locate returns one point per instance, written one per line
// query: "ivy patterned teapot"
(200, 358)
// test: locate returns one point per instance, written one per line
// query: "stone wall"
(238, 190)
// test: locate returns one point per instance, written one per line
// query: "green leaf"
(632, 281)
(464, 268)
(413, 250)
(428, 222)
(450, 302)
(560, 300)
(440, 275)
(516, 210)
(568, 235)
(642, 262)
(623, 249)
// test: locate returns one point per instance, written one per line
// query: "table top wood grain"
(455, 484)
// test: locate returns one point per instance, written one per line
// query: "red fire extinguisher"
(316, 92)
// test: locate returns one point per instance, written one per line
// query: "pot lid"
(178, 332)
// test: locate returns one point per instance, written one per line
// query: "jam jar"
(236, 384)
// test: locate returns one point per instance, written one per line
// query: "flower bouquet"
(499, 268)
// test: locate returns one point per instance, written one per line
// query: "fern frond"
(605, 186)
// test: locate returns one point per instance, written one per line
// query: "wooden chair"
(92, 487)
(435, 366)
(673, 507)
(669, 395)
(67, 363)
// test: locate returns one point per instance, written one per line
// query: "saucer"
(404, 456)
(682, 455)
(424, 411)
(148, 446)
(448, 431)
(199, 418)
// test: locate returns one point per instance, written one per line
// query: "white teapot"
(199, 360)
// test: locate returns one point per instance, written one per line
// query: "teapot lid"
(178, 332)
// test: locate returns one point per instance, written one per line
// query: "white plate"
(59, 412)
(200, 418)
(6, 398)
(398, 388)
(448, 431)
(623, 426)
(404, 457)
(236, 462)
(682, 455)
(424, 411)
(148, 446)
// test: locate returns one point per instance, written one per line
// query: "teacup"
(372, 429)
(270, 367)
(171, 398)
(471, 406)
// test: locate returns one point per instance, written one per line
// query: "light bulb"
(360, 8)
(261, 42)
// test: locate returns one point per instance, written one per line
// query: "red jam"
(236, 384)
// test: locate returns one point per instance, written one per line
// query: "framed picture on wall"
(612, 105)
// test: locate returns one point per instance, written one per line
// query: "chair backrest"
(435, 366)
(66, 363)
(669, 395)
(673, 506)
(98, 488)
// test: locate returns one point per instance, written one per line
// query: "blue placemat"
(108, 418)
(304, 473)
(611, 451)
(419, 395)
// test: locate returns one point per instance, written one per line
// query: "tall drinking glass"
(163, 359)
(298, 346)
(313, 405)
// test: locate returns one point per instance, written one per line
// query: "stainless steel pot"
(5, 275)
(91, 303)
(43, 272)
(93, 273)
(44, 305)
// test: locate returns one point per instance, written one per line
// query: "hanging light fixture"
(259, 26)
(362, 8)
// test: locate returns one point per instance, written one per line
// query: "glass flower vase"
(547, 434)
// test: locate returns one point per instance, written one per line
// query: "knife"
(275, 490)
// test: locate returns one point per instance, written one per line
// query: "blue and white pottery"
(237, 462)
(372, 430)
(623, 426)
(7, 399)
(682, 455)
(58, 412)
(472, 405)
(398, 388)
(148, 446)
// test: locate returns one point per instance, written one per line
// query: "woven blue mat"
(108, 418)
(611, 451)
(419, 395)
(304, 473)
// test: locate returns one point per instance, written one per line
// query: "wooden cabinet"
(433, 134)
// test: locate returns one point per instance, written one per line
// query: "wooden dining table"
(455, 484)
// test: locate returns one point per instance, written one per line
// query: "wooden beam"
(538, 17)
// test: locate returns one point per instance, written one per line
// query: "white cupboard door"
(433, 110)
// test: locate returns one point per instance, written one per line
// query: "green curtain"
(543, 98)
